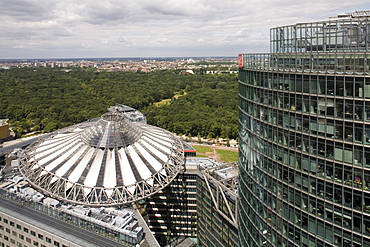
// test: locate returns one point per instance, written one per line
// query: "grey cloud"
(25, 10)
(152, 27)
(103, 12)
(167, 10)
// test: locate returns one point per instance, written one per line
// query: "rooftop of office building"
(221, 182)
(123, 221)
(224, 175)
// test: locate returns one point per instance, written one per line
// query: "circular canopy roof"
(111, 161)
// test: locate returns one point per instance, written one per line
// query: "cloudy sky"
(151, 28)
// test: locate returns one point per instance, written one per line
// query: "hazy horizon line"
(113, 58)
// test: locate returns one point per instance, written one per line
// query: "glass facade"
(304, 136)
(172, 212)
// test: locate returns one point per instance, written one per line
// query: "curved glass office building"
(304, 118)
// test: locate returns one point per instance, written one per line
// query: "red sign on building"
(240, 60)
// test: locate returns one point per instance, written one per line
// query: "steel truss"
(223, 191)
(63, 189)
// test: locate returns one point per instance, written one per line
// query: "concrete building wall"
(16, 232)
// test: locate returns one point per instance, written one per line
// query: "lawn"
(227, 156)
(202, 149)
(162, 102)
(168, 101)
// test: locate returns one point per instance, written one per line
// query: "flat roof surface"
(54, 226)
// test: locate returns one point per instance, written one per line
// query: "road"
(94, 239)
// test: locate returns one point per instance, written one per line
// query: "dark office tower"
(304, 114)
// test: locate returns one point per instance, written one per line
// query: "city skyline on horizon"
(114, 29)
(117, 58)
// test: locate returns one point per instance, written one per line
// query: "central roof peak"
(112, 130)
(112, 117)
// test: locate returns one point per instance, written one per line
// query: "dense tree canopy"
(46, 99)
(207, 111)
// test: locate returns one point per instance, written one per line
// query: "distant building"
(4, 129)
(187, 72)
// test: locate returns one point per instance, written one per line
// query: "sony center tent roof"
(110, 161)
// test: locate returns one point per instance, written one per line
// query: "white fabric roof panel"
(47, 150)
(155, 151)
(153, 161)
(62, 155)
(93, 173)
(159, 147)
(56, 153)
(75, 175)
(139, 164)
(88, 157)
(160, 134)
(53, 140)
(69, 163)
(110, 180)
(159, 141)
(127, 174)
